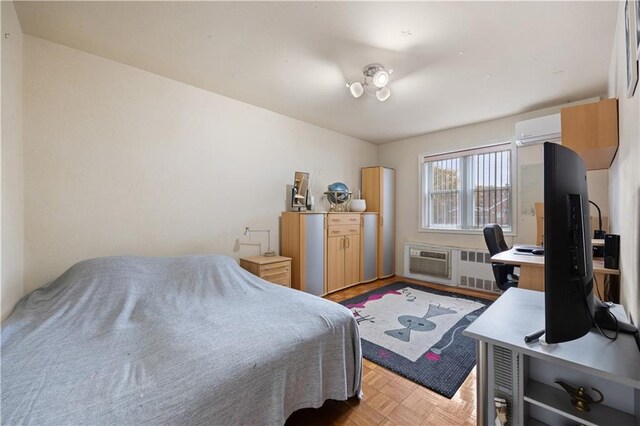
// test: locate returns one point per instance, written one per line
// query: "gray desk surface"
(519, 312)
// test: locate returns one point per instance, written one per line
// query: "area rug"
(416, 332)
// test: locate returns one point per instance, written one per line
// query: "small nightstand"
(275, 269)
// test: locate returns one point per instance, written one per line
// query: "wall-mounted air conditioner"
(431, 263)
(538, 130)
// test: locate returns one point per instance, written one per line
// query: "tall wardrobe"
(378, 190)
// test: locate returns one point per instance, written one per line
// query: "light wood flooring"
(390, 399)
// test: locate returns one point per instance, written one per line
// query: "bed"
(179, 340)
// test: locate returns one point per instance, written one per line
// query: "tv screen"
(568, 272)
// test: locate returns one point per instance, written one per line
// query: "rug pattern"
(416, 332)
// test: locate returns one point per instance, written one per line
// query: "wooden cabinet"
(378, 189)
(275, 269)
(304, 241)
(591, 130)
(330, 251)
(343, 250)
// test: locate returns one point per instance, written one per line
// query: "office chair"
(493, 236)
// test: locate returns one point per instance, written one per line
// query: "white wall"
(624, 176)
(12, 227)
(403, 156)
(122, 161)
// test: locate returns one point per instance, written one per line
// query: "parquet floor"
(390, 399)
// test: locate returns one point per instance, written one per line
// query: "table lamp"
(269, 252)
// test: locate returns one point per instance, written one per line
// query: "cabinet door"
(314, 253)
(387, 223)
(351, 259)
(335, 263)
(591, 130)
(369, 247)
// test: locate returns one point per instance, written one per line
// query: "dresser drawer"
(340, 230)
(343, 219)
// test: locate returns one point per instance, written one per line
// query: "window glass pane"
(491, 186)
(444, 194)
(482, 179)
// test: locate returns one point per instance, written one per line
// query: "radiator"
(431, 263)
(474, 270)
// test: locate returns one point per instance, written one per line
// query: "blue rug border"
(451, 388)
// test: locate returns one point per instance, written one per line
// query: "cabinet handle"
(335, 232)
(353, 219)
(341, 242)
(353, 230)
(347, 242)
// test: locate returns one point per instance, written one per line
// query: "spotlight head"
(380, 78)
(356, 89)
(383, 94)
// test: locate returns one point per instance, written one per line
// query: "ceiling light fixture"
(376, 78)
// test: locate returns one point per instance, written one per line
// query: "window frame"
(465, 195)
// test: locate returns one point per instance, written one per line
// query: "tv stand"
(525, 373)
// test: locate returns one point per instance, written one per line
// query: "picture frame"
(637, 6)
(631, 36)
(300, 192)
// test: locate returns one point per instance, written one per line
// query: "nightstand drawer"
(274, 268)
(283, 278)
(340, 230)
(344, 219)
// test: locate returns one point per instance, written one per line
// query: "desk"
(532, 368)
(532, 269)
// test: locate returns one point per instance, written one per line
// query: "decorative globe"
(338, 193)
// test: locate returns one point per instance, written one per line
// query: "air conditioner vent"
(435, 263)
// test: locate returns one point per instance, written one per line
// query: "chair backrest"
(494, 238)
(539, 223)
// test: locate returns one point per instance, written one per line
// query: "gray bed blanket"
(181, 340)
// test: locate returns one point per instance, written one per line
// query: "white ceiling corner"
(455, 63)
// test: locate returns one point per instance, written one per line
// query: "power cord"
(595, 282)
(586, 305)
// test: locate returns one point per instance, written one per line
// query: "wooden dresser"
(275, 269)
(330, 251)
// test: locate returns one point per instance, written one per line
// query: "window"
(465, 190)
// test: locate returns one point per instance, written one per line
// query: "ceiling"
(455, 63)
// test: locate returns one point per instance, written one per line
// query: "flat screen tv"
(571, 308)
(568, 272)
